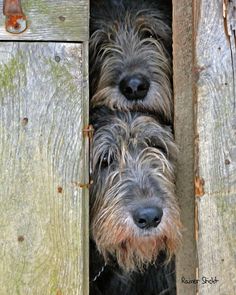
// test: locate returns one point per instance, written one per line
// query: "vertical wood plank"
(43, 159)
(186, 261)
(86, 172)
(215, 58)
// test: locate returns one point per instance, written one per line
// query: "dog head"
(133, 208)
(130, 57)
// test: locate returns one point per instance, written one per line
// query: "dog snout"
(134, 87)
(147, 217)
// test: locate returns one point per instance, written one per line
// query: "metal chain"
(99, 273)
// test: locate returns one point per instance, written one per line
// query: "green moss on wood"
(40, 6)
(61, 72)
(11, 73)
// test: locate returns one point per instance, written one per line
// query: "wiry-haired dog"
(134, 215)
(130, 56)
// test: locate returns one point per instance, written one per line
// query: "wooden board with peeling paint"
(43, 161)
(52, 20)
(215, 85)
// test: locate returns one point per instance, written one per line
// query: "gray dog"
(130, 56)
(134, 215)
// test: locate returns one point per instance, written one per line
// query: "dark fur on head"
(131, 37)
(133, 165)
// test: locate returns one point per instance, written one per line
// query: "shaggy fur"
(130, 37)
(157, 279)
(133, 156)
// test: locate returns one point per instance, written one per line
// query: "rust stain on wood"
(15, 18)
(82, 185)
(88, 131)
(199, 186)
(20, 238)
(59, 189)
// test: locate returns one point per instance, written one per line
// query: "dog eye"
(106, 160)
(147, 34)
(111, 37)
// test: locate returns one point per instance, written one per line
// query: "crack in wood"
(229, 15)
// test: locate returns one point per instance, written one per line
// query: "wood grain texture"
(53, 20)
(186, 261)
(86, 172)
(43, 159)
(215, 65)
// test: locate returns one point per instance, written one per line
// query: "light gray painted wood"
(43, 161)
(216, 146)
(57, 20)
(186, 261)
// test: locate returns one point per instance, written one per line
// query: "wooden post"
(44, 156)
(215, 68)
(186, 260)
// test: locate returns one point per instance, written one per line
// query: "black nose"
(147, 217)
(134, 87)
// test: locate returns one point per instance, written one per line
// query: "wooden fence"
(44, 154)
(43, 151)
(205, 104)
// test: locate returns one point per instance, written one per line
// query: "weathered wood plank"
(184, 133)
(53, 20)
(86, 172)
(216, 154)
(43, 158)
